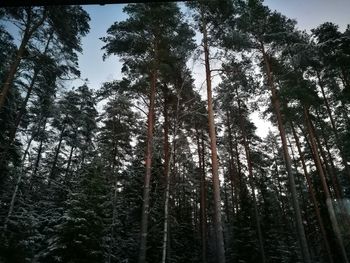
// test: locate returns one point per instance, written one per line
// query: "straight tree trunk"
(226, 205)
(220, 248)
(324, 185)
(114, 219)
(148, 161)
(168, 152)
(313, 197)
(57, 152)
(114, 193)
(344, 78)
(287, 160)
(202, 190)
(251, 180)
(279, 190)
(239, 182)
(69, 162)
(37, 160)
(232, 169)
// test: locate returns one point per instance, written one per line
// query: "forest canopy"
(149, 167)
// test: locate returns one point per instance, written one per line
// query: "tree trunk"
(20, 174)
(22, 109)
(19, 179)
(148, 161)
(287, 160)
(114, 192)
(202, 190)
(57, 152)
(232, 169)
(220, 249)
(69, 162)
(329, 112)
(327, 170)
(300, 185)
(324, 185)
(251, 180)
(279, 185)
(239, 181)
(168, 152)
(330, 168)
(28, 32)
(313, 196)
(37, 161)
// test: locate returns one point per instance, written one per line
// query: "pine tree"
(156, 27)
(258, 23)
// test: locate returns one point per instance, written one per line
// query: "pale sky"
(311, 13)
(308, 13)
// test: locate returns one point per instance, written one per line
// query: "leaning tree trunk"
(330, 167)
(324, 185)
(147, 179)
(287, 160)
(27, 34)
(313, 197)
(19, 179)
(30, 88)
(220, 249)
(335, 131)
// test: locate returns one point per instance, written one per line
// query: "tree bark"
(37, 160)
(148, 162)
(28, 32)
(57, 152)
(168, 152)
(313, 196)
(324, 185)
(240, 183)
(287, 160)
(69, 162)
(279, 187)
(335, 131)
(330, 167)
(19, 179)
(220, 248)
(251, 180)
(202, 190)
(28, 94)
(232, 169)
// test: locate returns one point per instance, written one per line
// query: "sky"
(91, 63)
(308, 14)
(311, 13)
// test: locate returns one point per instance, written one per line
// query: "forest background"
(212, 131)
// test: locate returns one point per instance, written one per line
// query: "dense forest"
(151, 168)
